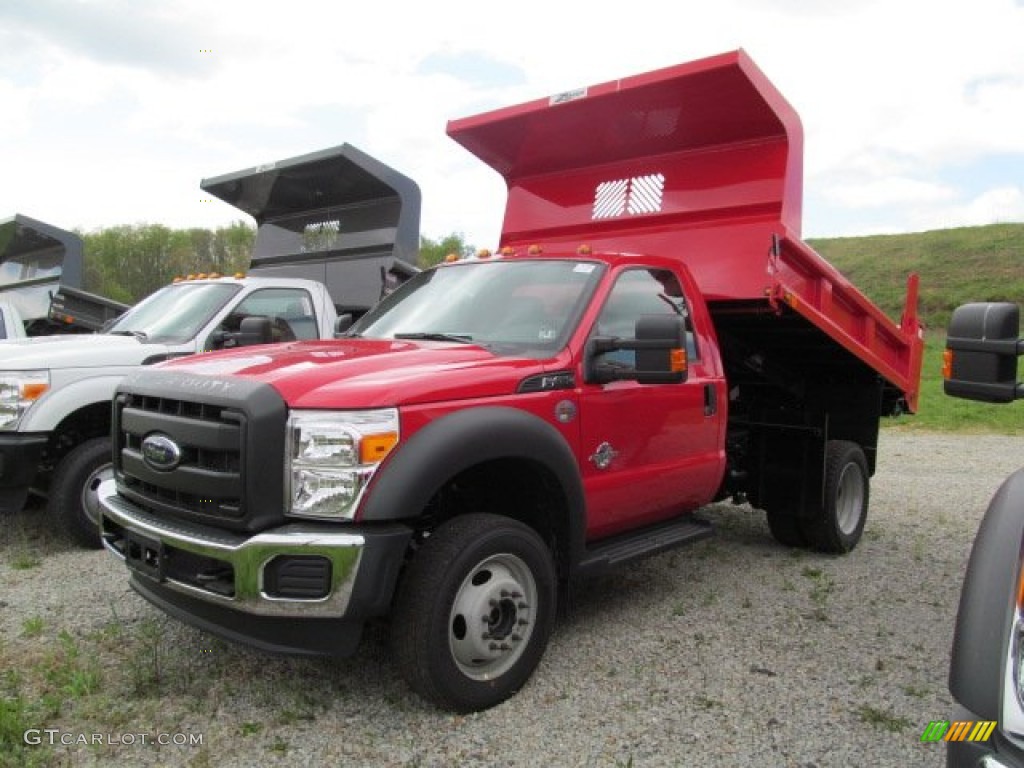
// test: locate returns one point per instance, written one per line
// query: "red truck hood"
(366, 373)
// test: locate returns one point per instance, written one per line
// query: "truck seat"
(302, 326)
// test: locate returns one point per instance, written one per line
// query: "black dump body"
(42, 273)
(337, 216)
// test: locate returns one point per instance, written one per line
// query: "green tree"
(129, 262)
(435, 251)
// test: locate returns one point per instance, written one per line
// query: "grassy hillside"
(956, 266)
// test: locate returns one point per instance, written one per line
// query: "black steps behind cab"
(645, 542)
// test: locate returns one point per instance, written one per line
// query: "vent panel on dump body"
(217, 474)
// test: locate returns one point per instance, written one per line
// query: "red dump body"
(702, 162)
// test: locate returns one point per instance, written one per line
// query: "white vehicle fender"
(55, 406)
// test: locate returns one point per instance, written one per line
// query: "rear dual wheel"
(474, 612)
(839, 522)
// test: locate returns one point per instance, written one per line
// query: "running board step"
(643, 543)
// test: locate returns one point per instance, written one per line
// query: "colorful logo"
(958, 730)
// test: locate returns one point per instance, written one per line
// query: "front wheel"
(840, 522)
(474, 612)
(74, 502)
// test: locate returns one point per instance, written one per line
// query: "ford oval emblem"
(160, 452)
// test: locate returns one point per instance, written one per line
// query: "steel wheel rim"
(492, 617)
(90, 492)
(849, 499)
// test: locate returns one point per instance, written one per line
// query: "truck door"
(649, 450)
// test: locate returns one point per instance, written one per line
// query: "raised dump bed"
(338, 216)
(701, 162)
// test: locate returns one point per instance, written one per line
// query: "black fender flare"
(444, 448)
(987, 603)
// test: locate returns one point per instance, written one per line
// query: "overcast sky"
(112, 111)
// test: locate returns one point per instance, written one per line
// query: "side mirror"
(255, 329)
(660, 348)
(980, 360)
(220, 340)
(343, 323)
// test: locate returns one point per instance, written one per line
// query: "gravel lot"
(731, 652)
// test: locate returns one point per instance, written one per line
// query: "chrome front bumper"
(226, 569)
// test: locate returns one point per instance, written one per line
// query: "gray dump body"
(42, 274)
(337, 216)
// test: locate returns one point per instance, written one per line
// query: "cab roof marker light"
(535, 250)
(584, 250)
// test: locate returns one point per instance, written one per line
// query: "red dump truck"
(651, 336)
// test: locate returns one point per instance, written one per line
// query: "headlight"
(331, 457)
(18, 390)
(1012, 721)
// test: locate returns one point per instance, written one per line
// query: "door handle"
(710, 400)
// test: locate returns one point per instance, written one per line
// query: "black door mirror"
(343, 323)
(660, 353)
(255, 329)
(980, 361)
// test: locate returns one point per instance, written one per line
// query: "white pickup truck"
(343, 225)
(11, 324)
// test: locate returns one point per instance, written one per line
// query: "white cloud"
(994, 205)
(113, 111)
(883, 193)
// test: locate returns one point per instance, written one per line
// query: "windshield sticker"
(584, 269)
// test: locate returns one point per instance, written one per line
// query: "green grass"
(881, 718)
(955, 266)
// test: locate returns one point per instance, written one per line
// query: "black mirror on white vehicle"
(982, 347)
(256, 329)
(343, 323)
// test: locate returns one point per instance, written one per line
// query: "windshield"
(525, 307)
(174, 314)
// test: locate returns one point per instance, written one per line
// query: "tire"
(839, 524)
(473, 612)
(786, 529)
(73, 500)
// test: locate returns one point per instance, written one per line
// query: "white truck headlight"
(331, 457)
(18, 390)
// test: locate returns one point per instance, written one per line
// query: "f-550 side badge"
(604, 455)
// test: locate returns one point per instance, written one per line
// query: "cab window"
(290, 311)
(639, 292)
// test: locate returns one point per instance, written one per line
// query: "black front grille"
(228, 469)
